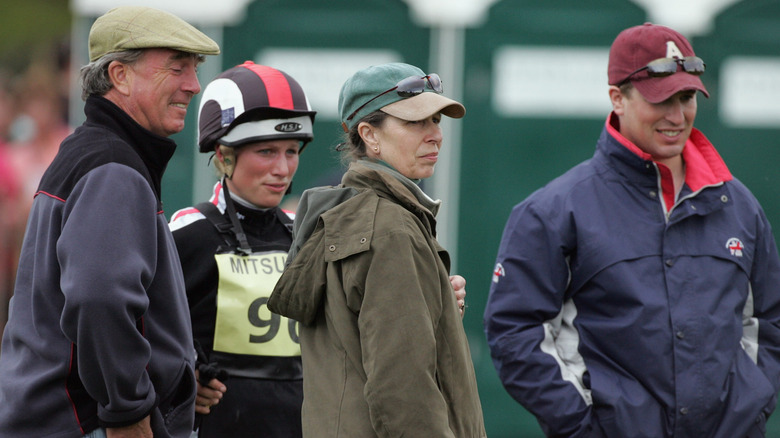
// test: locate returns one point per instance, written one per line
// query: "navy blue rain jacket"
(617, 309)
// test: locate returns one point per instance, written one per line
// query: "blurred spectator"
(10, 190)
(8, 183)
(33, 123)
(63, 77)
(40, 127)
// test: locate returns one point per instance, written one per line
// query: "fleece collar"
(155, 150)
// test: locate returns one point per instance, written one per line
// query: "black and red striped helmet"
(250, 103)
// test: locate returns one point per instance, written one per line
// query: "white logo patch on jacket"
(498, 272)
(735, 246)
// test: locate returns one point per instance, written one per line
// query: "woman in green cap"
(383, 346)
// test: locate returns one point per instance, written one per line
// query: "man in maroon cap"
(639, 293)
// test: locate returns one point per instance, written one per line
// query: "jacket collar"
(390, 183)
(155, 150)
(704, 166)
(246, 211)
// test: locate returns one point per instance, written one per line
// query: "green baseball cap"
(138, 27)
(373, 89)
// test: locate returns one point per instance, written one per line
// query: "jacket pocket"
(175, 415)
(759, 429)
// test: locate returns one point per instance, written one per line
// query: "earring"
(376, 149)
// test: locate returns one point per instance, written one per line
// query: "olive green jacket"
(383, 346)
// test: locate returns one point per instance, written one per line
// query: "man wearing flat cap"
(638, 294)
(98, 340)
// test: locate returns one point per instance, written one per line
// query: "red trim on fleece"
(67, 390)
(49, 195)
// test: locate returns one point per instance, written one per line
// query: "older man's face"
(162, 84)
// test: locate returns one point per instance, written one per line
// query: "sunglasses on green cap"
(411, 86)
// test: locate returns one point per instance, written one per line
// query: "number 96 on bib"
(244, 323)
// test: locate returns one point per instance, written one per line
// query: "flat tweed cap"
(138, 27)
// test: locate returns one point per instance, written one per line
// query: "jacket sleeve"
(107, 255)
(765, 284)
(397, 322)
(533, 350)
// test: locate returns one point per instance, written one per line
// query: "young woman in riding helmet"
(255, 120)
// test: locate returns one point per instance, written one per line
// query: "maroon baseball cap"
(636, 46)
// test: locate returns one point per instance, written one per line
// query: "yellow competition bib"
(244, 323)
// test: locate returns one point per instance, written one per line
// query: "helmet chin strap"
(238, 231)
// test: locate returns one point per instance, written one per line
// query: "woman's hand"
(459, 286)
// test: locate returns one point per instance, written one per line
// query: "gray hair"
(353, 148)
(94, 76)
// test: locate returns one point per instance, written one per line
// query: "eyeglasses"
(411, 86)
(663, 67)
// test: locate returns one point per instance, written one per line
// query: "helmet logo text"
(288, 127)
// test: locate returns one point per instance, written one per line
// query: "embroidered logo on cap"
(672, 51)
(498, 272)
(735, 246)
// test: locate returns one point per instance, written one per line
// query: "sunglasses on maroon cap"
(411, 86)
(663, 67)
